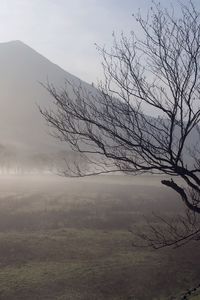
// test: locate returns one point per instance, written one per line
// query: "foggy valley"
(99, 176)
(73, 238)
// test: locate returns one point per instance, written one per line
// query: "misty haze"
(26, 145)
(99, 170)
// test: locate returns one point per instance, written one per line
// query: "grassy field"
(67, 239)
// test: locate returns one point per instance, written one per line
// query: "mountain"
(24, 136)
(22, 70)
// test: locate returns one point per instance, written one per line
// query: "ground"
(71, 239)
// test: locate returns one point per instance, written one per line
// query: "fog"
(130, 190)
(33, 202)
(72, 238)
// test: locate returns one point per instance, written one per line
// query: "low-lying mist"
(16, 160)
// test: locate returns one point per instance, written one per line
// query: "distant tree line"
(18, 161)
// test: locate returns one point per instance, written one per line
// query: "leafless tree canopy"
(145, 116)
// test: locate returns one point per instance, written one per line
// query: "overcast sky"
(65, 30)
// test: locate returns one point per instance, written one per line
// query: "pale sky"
(65, 31)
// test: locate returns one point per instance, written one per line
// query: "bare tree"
(145, 116)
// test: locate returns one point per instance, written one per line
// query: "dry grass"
(70, 239)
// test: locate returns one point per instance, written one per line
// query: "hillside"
(22, 70)
(25, 141)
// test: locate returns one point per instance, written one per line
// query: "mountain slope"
(21, 71)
